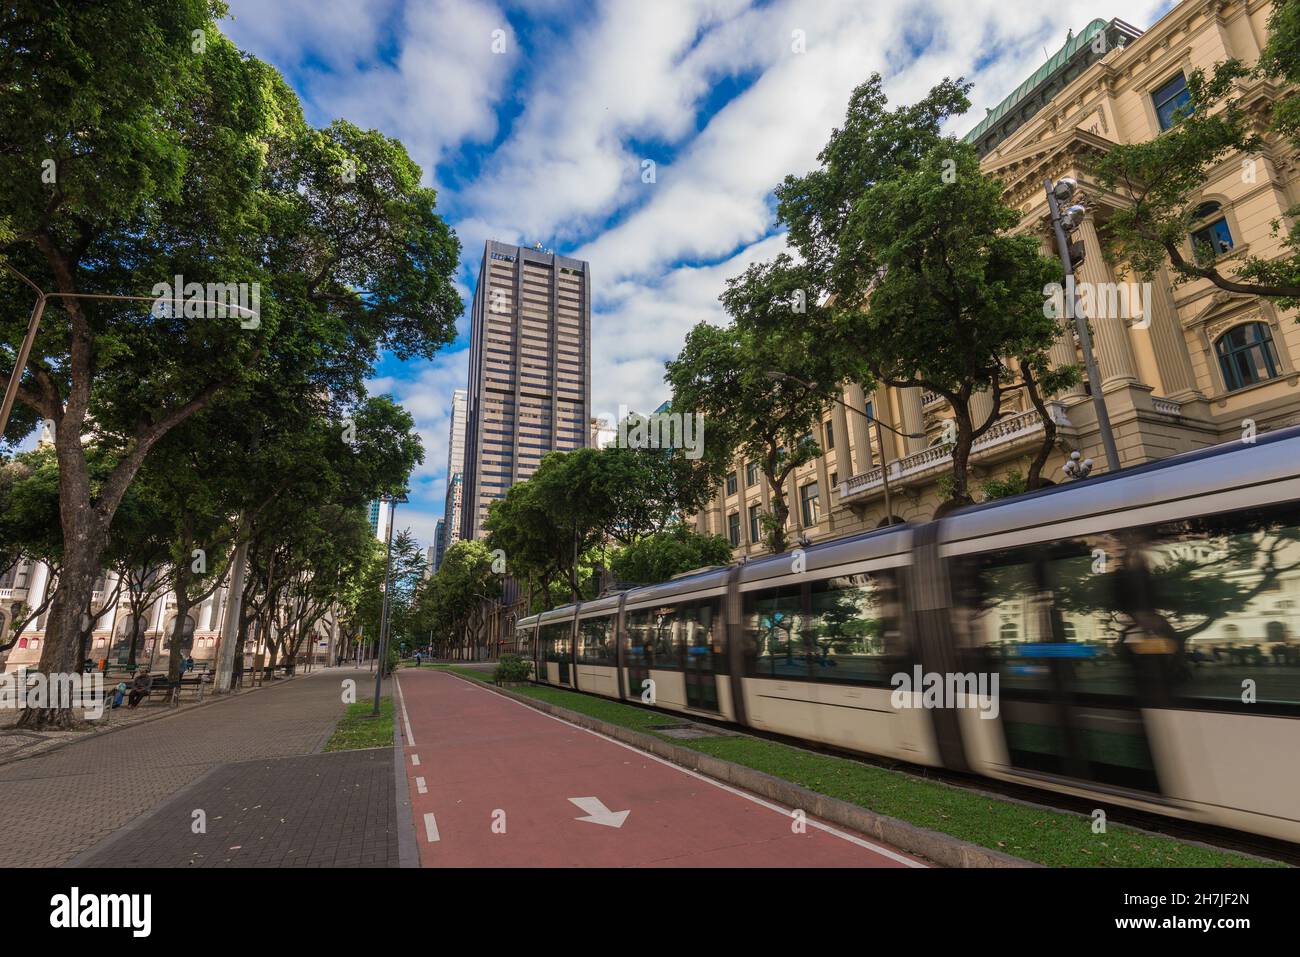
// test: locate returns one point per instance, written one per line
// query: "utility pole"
(383, 614)
(1058, 193)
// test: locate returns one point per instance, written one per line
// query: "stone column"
(859, 430)
(37, 578)
(1167, 339)
(981, 404)
(909, 405)
(1110, 333)
(843, 447)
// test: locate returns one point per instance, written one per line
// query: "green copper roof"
(1041, 76)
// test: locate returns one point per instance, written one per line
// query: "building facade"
(529, 371)
(1200, 362)
(453, 507)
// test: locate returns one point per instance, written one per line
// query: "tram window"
(779, 641)
(596, 641)
(853, 624)
(1214, 585)
(703, 633)
(556, 641)
(1025, 609)
(667, 638)
(636, 641)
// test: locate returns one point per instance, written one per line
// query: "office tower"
(529, 370)
(455, 471)
(440, 546)
(379, 512)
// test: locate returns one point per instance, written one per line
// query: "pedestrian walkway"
(57, 805)
(496, 783)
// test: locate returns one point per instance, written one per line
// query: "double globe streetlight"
(1072, 254)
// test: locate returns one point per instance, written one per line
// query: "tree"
(723, 374)
(1163, 178)
(452, 602)
(119, 172)
(671, 551)
(925, 287)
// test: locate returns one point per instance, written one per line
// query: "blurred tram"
(1143, 628)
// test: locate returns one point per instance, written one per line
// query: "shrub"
(511, 668)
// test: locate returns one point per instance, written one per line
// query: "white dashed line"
(431, 829)
(415, 760)
(420, 786)
(406, 718)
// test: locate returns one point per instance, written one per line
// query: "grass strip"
(356, 729)
(1053, 838)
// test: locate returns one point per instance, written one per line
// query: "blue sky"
(533, 120)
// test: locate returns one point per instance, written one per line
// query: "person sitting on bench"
(140, 687)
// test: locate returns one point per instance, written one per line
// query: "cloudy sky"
(534, 120)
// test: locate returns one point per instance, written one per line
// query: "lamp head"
(1064, 188)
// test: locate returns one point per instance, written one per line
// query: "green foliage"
(511, 669)
(450, 603)
(661, 555)
(185, 156)
(723, 374)
(1163, 179)
(1013, 483)
(927, 287)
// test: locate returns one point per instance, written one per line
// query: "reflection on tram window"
(778, 643)
(1052, 614)
(838, 629)
(596, 641)
(853, 624)
(1224, 596)
(702, 631)
(637, 639)
(666, 639)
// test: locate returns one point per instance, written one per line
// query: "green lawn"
(1033, 834)
(356, 729)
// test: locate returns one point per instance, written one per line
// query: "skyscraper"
(455, 471)
(529, 370)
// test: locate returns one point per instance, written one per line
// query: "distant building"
(529, 370)
(453, 506)
(436, 551)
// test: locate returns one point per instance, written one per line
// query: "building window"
(1246, 355)
(751, 474)
(733, 528)
(830, 434)
(1214, 238)
(810, 502)
(755, 522)
(835, 479)
(1170, 101)
(731, 483)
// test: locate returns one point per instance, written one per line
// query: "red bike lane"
(494, 783)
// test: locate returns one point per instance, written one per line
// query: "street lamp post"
(393, 501)
(880, 438)
(1057, 193)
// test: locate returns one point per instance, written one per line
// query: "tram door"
(1048, 621)
(702, 626)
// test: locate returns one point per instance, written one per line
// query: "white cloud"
(591, 92)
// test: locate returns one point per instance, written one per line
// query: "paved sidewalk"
(317, 810)
(568, 797)
(59, 804)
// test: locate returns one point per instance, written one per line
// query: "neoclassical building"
(1198, 363)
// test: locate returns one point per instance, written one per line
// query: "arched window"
(1009, 631)
(1212, 238)
(1246, 355)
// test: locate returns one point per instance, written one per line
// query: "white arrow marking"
(597, 813)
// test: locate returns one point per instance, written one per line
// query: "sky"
(535, 122)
